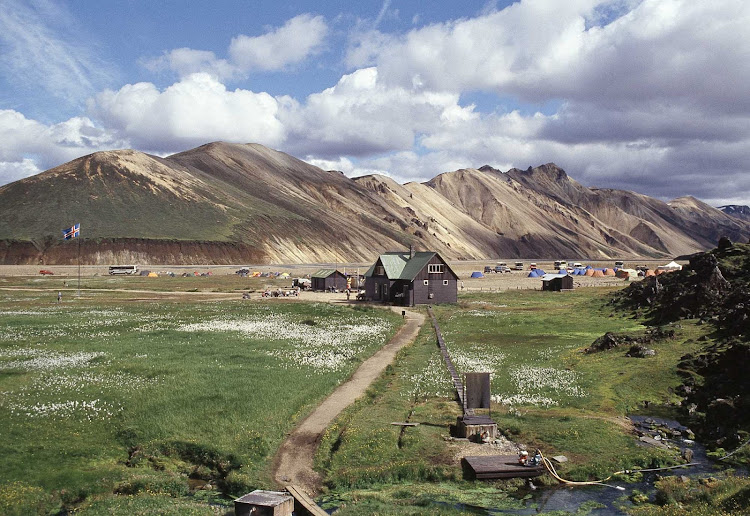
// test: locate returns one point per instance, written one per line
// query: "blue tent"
(477, 275)
(536, 273)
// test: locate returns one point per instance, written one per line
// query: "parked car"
(502, 268)
(45, 272)
(488, 269)
(518, 266)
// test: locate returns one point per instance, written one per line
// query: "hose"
(735, 451)
(551, 468)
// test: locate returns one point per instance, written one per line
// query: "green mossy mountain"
(277, 208)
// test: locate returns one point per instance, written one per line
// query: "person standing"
(59, 296)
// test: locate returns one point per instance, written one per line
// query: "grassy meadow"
(113, 403)
(110, 404)
(546, 393)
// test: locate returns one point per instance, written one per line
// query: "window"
(435, 268)
(379, 270)
(445, 282)
(426, 282)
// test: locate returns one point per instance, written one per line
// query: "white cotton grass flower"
(81, 409)
(532, 380)
(432, 381)
(34, 359)
(325, 346)
(477, 359)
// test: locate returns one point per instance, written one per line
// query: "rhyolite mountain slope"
(225, 203)
(736, 210)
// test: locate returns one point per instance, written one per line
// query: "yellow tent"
(153, 275)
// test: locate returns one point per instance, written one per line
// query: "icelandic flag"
(71, 232)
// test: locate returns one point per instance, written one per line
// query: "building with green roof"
(411, 278)
(327, 279)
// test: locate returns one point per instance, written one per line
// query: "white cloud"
(42, 49)
(651, 98)
(361, 116)
(193, 111)
(345, 165)
(278, 49)
(186, 61)
(30, 146)
(297, 39)
(14, 170)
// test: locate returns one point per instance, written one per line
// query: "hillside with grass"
(278, 209)
(713, 290)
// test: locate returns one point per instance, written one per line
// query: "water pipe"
(551, 468)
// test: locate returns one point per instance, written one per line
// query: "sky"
(642, 95)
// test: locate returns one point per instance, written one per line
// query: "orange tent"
(622, 274)
(589, 272)
(597, 273)
(650, 273)
(609, 272)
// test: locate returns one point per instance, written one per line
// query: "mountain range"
(245, 203)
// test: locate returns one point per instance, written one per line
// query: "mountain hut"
(327, 279)
(557, 282)
(411, 278)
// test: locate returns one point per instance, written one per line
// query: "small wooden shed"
(326, 279)
(557, 282)
(264, 503)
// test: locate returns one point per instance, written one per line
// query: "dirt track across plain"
(294, 460)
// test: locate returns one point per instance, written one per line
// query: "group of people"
(280, 293)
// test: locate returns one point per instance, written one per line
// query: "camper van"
(123, 269)
(518, 266)
(560, 265)
(619, 264)
(532, 266)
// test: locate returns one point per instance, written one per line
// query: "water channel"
(605, 501)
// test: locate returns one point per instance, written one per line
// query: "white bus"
(123, 269)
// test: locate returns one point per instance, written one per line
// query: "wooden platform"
(501, 466)
(305, 501)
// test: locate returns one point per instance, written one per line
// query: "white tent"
(671, 266)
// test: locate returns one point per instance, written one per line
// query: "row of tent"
(257, 274)
(598, 273)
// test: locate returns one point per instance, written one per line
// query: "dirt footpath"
(294, 460)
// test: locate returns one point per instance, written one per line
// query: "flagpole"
(79, 265)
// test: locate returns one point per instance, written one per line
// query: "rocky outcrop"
(715, 289)
(637, 343)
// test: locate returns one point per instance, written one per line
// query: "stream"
(610, 501)
(607, 500)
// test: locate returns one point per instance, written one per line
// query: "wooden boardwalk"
(457, 383)
(501, 466)
(307, 503)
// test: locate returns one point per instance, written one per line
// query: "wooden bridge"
(303, 501)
